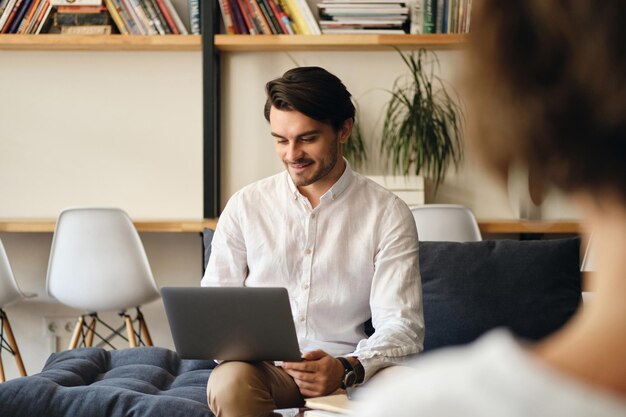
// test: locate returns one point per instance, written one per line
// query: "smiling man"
(345, 248)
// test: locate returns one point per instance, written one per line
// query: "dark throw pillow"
(530, 287)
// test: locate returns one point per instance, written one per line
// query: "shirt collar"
(334, 191)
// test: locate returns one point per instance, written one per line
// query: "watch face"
(349, 379)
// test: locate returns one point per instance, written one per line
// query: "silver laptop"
(226, 323)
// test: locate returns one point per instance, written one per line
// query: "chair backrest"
(9, 291)
(446, 222)
(97, 261)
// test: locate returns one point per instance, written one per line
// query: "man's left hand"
(318, 374)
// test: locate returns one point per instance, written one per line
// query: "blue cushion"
(144, 381)
(530, 287)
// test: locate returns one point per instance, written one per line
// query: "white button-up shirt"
(352, 257)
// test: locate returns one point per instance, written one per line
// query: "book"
(19, 16)
(32, 24)
(283, 19)
(11, 13)
(227, 17)
(259, 17)
(168, 17)
(309, 18)
(321, 413)
(194, 16)
(240, 25)
(176, 17)
(43, 17)
(74, 3)
(117, 18)
(28, 16)
(430, 16)
(336, 403)
(8, 7)
(269, 17)
(297, 17)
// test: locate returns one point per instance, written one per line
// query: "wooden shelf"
(169, 226)
(268, 43)
(197, 225)
(228, 43)
(47, 42)
(530, 227)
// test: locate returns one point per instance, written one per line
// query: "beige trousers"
(238, 389)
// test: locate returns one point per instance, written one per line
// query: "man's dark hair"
(549, 89)
(312, 91)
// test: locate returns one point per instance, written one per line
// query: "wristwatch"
(352, 374)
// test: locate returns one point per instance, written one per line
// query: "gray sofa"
(531, 287)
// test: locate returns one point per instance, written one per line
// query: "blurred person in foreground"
(548, 82)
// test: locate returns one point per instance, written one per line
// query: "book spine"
(194, 16)
(309, 18)
(28, 16)
(440, 17)
(145, 14)
(44, 17)
(157, 17)
(430, 16)
(11, 16)
(130, 11)
(6, 13)
(177, 20)
(259, 17)
(269, 17)
(227, 17)
(168, 17)
(19, 16)
(117, 19)
(128, 19)
(280, 15)
(33, 22)
(297, 17)
(246, 17)
(238, 22)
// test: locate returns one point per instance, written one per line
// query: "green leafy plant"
(422, 130)
(354, 149)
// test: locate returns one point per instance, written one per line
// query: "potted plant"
(422, 128)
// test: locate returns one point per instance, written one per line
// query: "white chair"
(98, 263)
(588, 265)
(446, 222)
(9, 293)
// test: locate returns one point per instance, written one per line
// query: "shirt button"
(313, 216)
(307, 252)
(305, 286)
(301, 318)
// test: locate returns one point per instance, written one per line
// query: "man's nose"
(294, 151)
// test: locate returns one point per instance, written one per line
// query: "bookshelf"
(48, 42)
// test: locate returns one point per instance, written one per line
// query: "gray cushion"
(530, 287)
(144, 381)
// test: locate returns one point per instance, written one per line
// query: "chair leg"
(132, 340)
(144, 328)
(2, 378)
(76, 335)
(13, 345)
(90, 332)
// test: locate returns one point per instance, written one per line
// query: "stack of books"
(136, 17)
(335, 405)
(145, 17)
(364, 16)
(23, 16)
(441, 16)
(268, 17)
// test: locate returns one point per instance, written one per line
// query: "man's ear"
(346, 130)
